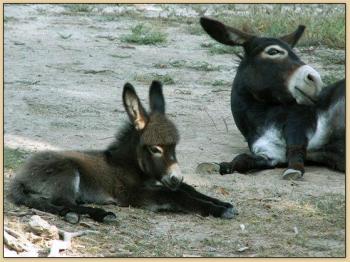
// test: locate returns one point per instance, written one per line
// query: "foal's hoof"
(229, 213)
(109, 217)
(292, 174)
(72, 217)
(208, 168)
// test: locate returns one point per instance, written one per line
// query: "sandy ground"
(63, 82)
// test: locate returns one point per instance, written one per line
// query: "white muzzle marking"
(305, 84)
(175, 172)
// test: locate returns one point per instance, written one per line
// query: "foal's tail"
(19, 194)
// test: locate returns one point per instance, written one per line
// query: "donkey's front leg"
(244, 163)
(296, 141)
(194, 193)
(162, 198)
(296, 155)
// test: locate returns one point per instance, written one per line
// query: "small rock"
(242, 249)
(34, 238)
(242, 226)
(296, 231)
(43, 228)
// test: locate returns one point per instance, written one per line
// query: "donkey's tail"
(19, 194)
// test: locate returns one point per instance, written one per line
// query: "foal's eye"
(155, 150)
(273, 51)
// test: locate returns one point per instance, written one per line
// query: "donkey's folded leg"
(244, 163)
(165, 199)
(97, 214)
(71, 212)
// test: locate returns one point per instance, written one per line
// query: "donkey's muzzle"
(305, 84)
(174, 177)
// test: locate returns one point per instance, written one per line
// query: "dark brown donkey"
(278, 106)
(139, 169)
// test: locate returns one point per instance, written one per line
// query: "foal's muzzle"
(174, 177)
(305, 84)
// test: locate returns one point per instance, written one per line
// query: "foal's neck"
(123, 150)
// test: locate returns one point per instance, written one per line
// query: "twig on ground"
(65, 244)
(18, 243)
(212, 120)
(41, 213)
(223, 119)
(18, 214)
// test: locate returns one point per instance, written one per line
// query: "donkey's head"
(155, 151)
(270, 71)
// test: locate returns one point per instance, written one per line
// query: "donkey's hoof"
(292, 174)
(72, 217)
(226, 168)
(229, 213)
(208, 168)
(109, 217)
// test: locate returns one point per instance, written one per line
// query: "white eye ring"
(277, 52)
(155, 150)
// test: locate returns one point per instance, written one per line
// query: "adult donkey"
(280, 107)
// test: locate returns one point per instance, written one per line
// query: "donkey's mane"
(122, 150)
(239, 56)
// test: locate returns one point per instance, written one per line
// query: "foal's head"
(270, 71)
(155, 151)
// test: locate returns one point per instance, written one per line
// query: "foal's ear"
(224, 34)
(156, 97)
(137, 114)
(294, 37)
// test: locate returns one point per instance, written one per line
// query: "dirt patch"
(64, 72)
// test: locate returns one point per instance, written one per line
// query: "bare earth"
(63, 81)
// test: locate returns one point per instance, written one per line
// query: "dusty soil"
(64, 75)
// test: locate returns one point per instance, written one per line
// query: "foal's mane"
(122, 150)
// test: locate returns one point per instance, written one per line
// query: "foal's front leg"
(194, 193)
(162, 198)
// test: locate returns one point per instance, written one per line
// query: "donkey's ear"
(224, 34)
(294, 37)
(156, 97)
(137, 114)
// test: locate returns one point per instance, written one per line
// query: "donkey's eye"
(155, 150)
(273, 51)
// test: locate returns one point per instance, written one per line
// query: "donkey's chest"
(271, 145)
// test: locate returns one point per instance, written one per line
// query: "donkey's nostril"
(310, 78)
(174, 180)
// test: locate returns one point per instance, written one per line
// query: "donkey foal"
(139, 169)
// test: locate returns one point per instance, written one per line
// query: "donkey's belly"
(271, 145)
(329, 123)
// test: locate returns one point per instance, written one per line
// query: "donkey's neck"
(123, 150)
(249, 113)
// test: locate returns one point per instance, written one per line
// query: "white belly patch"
(324, 126)
(271, 145)
(76, 182)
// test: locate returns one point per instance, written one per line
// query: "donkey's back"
(76, 177)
